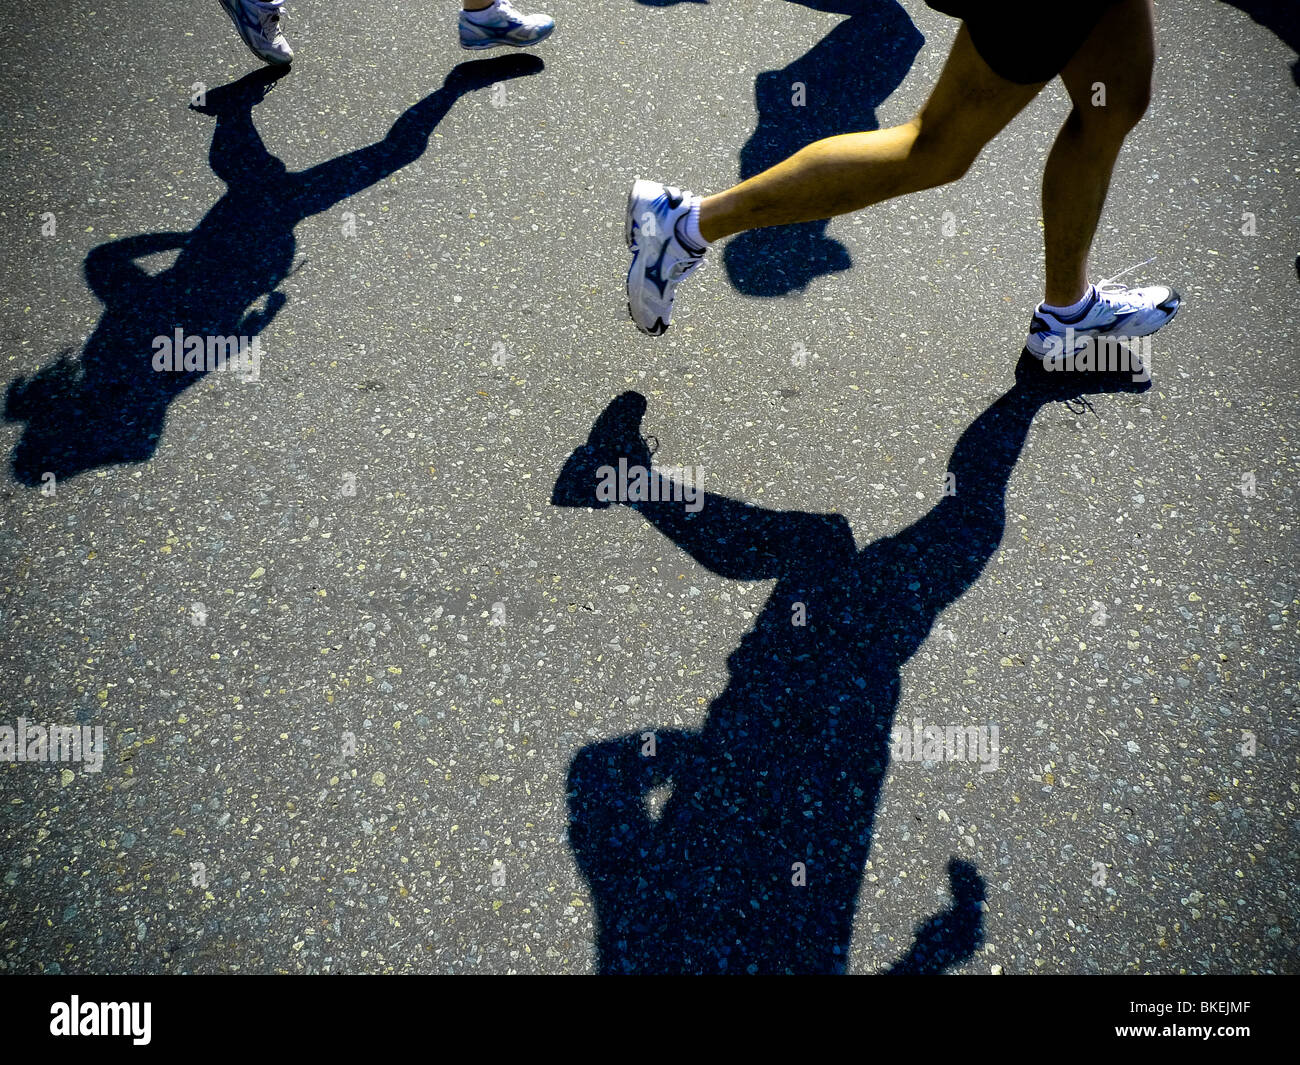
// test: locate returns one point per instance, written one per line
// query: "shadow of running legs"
(755, 863)
(109, 404)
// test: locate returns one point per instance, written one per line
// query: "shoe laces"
(1107, 286)
(685, 267)
(269, 20)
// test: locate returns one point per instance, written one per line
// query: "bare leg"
(1116, 61)
(968, 107)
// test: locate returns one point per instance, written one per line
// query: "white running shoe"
(504, 26)
(659, 257)
(259, 25)
(1115, 311)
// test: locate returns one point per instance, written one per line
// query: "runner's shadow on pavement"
(844, 78)
(109, 405)
(785, 774)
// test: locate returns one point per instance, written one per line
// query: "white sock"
(1074, 308)
(689, 227)
(485, 15)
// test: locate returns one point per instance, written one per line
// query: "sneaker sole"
(628, 223)
(483, 46)
(629, 235)
(1175, 299)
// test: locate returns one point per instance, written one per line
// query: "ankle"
(1065, 294)
(710, 220)
(1068, 308)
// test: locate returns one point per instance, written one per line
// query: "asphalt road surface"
(356, 673)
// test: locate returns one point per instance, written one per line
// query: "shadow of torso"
(784, 779)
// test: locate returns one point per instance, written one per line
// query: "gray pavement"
(362, 541)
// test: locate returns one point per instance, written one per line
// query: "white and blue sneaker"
(660, 257)
(501, 25)
(1113, 312)
(258, 24)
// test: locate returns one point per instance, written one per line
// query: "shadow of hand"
(951, 936)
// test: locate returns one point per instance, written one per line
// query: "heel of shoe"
(629, 224)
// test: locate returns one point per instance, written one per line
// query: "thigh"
(1026, 41)
(971, 103)
(1118, 55)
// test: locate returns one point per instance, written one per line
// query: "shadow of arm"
(947, 549)
(111, 270)
(337, 179)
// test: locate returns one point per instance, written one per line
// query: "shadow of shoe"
(615, 435)
(248, 91)
(476, 74)
(1051, 381)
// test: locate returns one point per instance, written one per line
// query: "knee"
(940, 156)
(1133, 105)
(1117, 108)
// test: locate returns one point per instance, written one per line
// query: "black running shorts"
(1026, 41)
